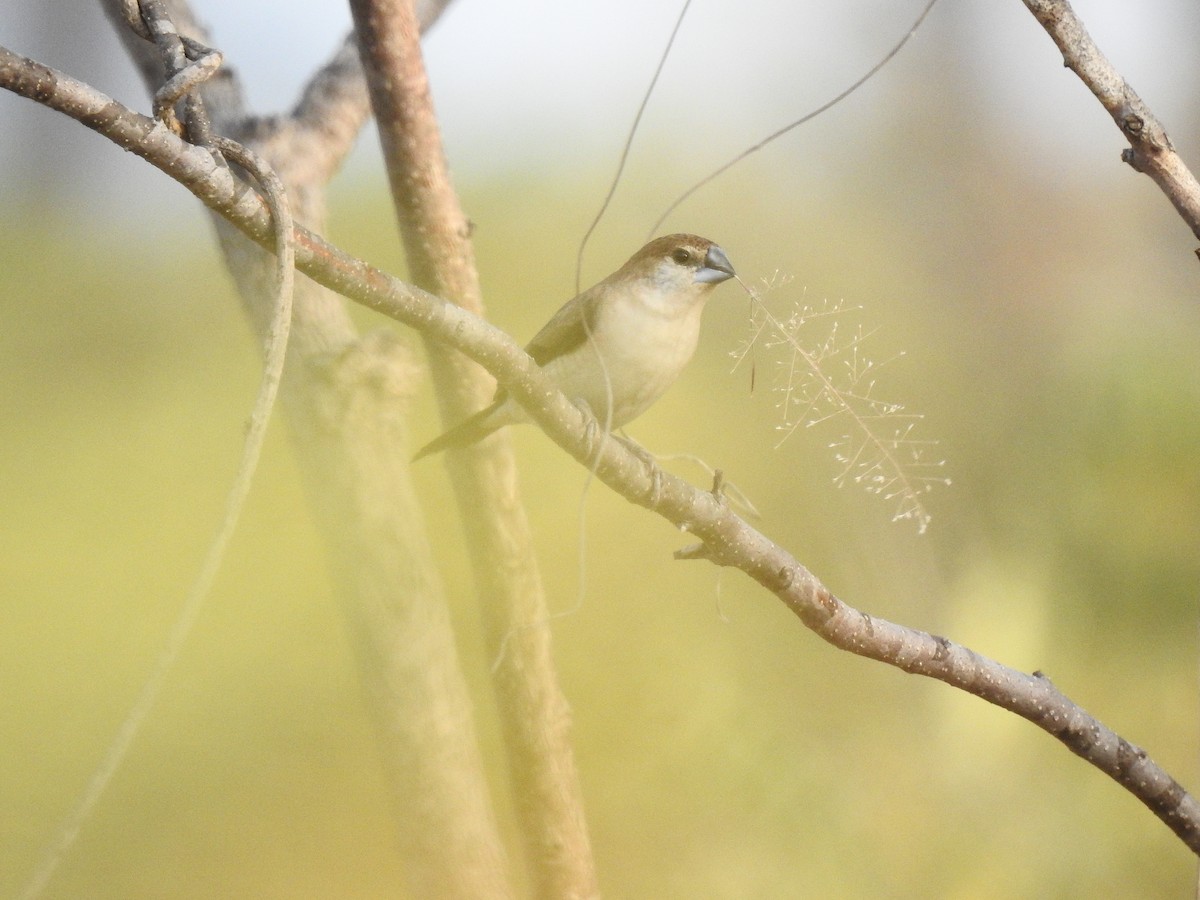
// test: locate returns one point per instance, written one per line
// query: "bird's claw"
(653, 472)
(724, 491)
(591, 430)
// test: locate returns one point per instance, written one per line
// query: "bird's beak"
(717, 267)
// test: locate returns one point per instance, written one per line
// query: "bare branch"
(1150, 150)
(727, 539)
(223, 90)
(512, 602)
(345, 403)
(330, 114)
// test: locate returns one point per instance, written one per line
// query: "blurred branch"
(1150, 150)
(533, 711)
(275, 353)
(344, 399)
(725, 538)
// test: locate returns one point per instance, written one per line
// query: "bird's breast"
(643, 349)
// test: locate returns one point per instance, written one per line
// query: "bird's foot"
(592, 432)
(653, 472)
(723, 490)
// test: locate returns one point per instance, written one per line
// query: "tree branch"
(1150, 150)
(344, 399)
(726, 538)
(533, 711)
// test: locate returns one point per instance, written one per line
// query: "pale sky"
(546, 83)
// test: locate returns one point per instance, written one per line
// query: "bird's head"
(680, 263)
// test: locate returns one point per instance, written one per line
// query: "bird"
(618, 346)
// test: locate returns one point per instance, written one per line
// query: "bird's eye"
(681, 256)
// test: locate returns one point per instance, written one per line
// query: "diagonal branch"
(725, 538)
(1150, 150)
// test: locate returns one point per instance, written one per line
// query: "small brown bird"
(618, 346)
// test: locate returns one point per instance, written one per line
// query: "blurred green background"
(971, 201)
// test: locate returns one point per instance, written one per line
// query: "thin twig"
(637, 119)
(721, 170)
(1150, 150)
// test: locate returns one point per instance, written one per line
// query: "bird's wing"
(565, 331)
(567, 328)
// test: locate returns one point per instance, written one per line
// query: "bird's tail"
(465, 433)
